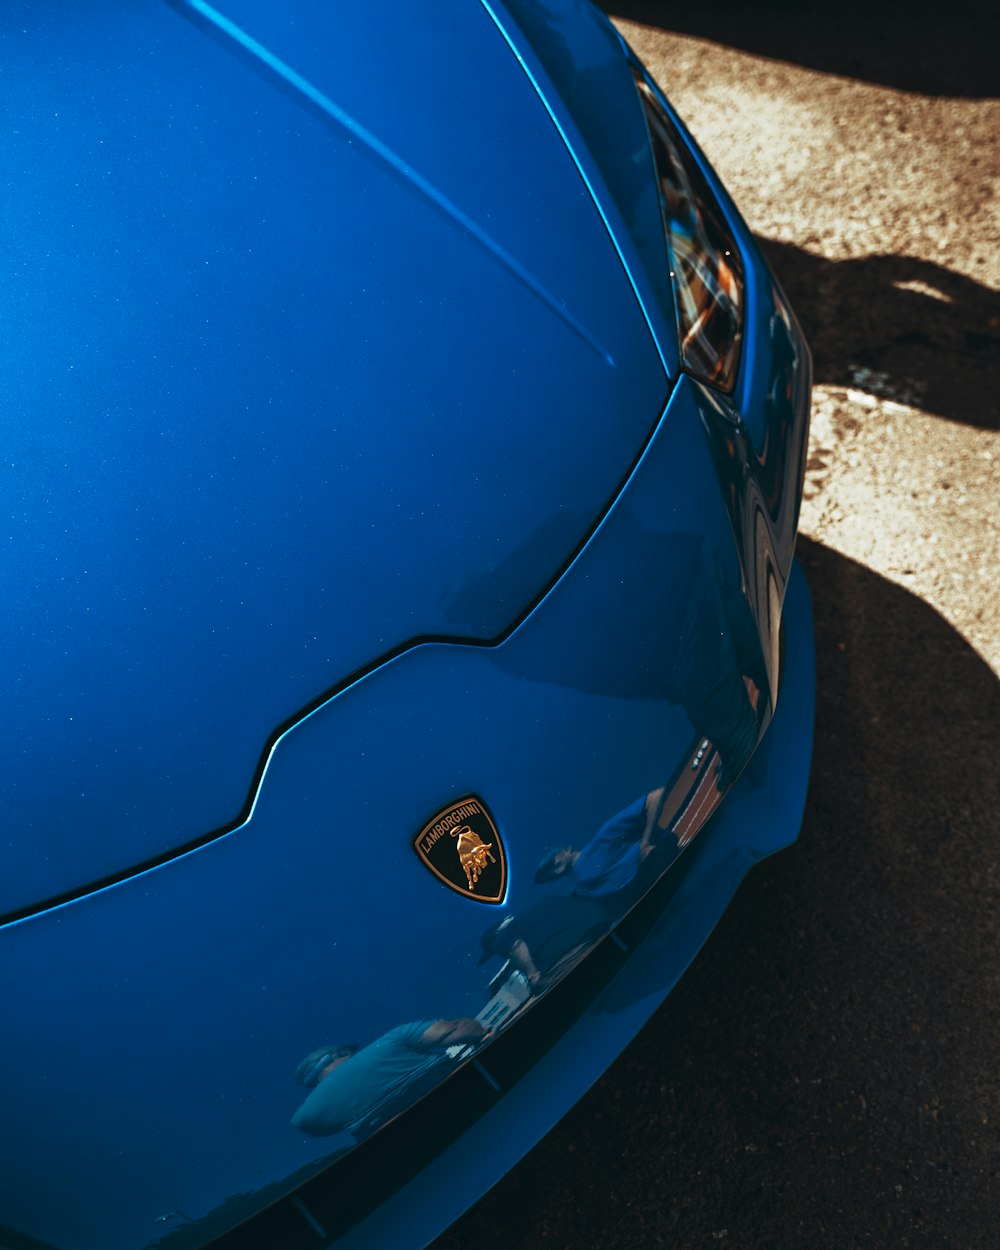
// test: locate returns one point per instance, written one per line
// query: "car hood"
(156, 1026)
(309, 323)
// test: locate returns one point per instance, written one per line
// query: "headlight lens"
(705, 263)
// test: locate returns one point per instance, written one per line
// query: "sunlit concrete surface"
(882, 209)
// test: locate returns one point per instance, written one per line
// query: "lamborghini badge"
(461, 846)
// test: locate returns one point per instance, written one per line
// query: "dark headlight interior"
(705, 264)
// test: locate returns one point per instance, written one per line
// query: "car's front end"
(497, 439)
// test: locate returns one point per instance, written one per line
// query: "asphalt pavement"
(827, 1074)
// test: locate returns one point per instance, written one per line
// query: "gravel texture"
(828, 1072)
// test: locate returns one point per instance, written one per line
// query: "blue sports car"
(405, 656)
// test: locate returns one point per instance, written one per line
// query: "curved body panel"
(348, 420)
(246, 954)
(574, 58)
(274, 354)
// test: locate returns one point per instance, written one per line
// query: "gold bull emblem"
(473, 852)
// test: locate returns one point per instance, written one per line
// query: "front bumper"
(615, 993)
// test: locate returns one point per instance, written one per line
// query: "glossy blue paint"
(761, 815)
(284, 298)
(343, 385)
(572, 54)
(244, 955)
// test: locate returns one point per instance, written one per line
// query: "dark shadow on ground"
(933, 50)
(825, 1074)
(898, 327)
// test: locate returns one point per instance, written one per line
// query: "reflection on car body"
(362, 1087)
(358, 1089)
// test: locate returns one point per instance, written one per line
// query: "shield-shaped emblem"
(461, 846)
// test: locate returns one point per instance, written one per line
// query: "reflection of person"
(610, 861)
(538, 938)
(359, 1089)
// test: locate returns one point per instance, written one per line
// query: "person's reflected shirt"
(610, 860)
(367, 1087)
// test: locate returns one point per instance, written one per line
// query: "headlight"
(705, 263)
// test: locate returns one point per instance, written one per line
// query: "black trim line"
(420, 640)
